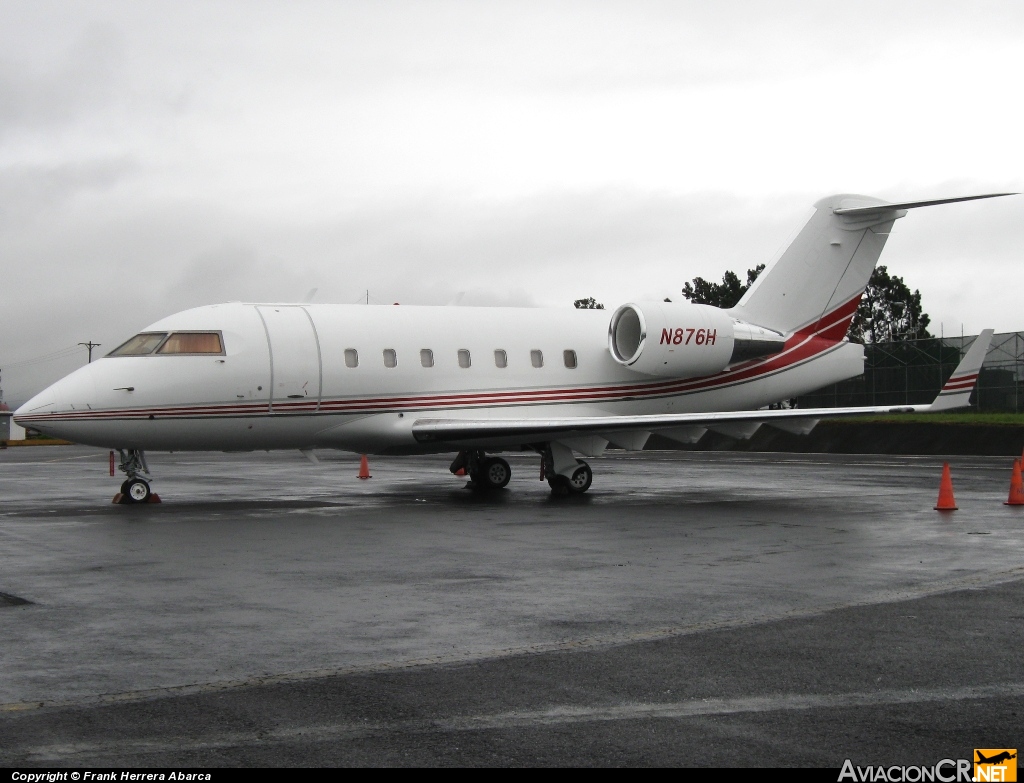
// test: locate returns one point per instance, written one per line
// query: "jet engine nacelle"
(684, 340)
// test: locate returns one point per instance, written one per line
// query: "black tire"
(136, 490)
(495, 473)
(124, 486)
(581, 479)
(559, 485)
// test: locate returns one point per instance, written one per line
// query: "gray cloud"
(85, 78)
(31, 192)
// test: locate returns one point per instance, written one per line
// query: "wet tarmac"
(693, 608)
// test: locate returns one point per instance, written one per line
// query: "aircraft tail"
(816, 283)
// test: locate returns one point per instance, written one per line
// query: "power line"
(62, 353)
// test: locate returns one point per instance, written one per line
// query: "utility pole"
(90, 345)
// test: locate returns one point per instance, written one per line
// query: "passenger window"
(570, 359)
(537, 358)
(464, 360)
(500, 358)
(140, 344)
(192, 342)
(390, 357)
(427, 357)
(351, 357)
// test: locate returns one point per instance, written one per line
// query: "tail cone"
(364, 468)
(1016, 487)
(946, 501)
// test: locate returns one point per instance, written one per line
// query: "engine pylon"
(946, 500)
(1016, 487)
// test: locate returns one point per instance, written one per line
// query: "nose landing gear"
(135, 488)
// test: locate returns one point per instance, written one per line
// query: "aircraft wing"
(954, 394)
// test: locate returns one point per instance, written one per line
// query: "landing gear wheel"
(495, 473)
(136, 490)
(581, 479)
(559, 485)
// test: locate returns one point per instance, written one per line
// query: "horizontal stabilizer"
(876, 208)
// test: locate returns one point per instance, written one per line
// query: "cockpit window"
(193, 342)
(140, 344)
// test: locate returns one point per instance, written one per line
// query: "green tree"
(588, 304)
(724, 295)
(888, 312)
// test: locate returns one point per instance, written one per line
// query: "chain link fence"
(913, 372)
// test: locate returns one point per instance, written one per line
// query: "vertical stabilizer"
(816, 283)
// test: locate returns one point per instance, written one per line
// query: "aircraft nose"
(47, 401)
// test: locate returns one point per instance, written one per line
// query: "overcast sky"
(158, 156)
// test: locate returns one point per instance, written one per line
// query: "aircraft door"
(294, 355)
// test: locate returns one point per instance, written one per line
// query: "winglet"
(957, 391)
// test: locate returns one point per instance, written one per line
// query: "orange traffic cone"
(946, 501)
(1016, 487)
(364, 468)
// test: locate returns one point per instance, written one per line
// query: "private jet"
(480, 381)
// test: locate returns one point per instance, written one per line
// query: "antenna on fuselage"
(365, 299)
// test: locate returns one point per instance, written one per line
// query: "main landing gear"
(565, 474)
(135, 488)
(484, 472)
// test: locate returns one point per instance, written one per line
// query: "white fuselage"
(283, 380)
